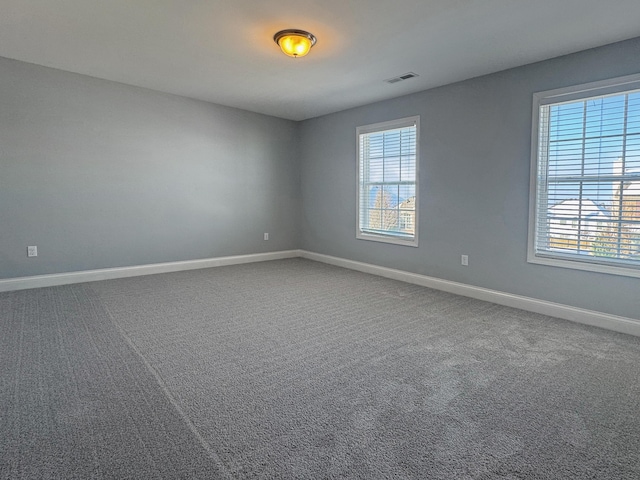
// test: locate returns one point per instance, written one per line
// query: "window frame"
(575, 93)
(381, 127)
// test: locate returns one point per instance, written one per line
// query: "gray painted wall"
(474, 183)
(99, 174)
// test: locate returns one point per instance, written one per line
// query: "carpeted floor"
(296, 369)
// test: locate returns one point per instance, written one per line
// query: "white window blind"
(587, 178)
(387, 181)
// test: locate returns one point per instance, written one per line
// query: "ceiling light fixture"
(295, 43)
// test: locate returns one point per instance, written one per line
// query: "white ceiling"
(222, 50)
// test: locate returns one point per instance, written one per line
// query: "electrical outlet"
(266, 236)
(464, 260)
(32, 251)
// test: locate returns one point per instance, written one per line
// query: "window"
(406, 221)
(585, 177)
(387, 181)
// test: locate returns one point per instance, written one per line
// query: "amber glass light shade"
(294, 43)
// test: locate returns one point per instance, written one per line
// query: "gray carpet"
(295, 369)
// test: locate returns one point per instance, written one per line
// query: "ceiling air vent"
(400, 78)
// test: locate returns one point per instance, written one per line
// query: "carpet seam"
(92, 342)
(207, 447)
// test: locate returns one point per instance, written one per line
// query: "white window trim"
(377, 127)
(568, 94)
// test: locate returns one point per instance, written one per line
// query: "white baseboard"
(588, 317)
(51, 280)
(574, 314)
